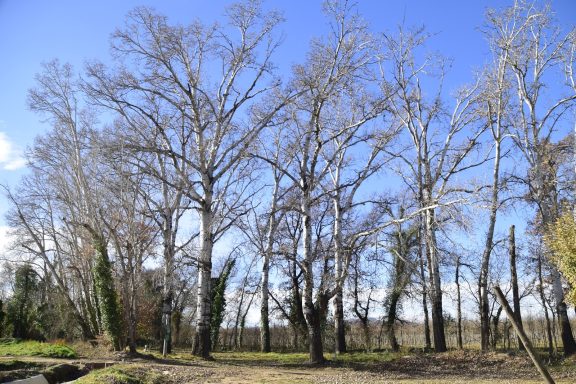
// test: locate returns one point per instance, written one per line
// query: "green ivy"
(219, 301)
(107, 297)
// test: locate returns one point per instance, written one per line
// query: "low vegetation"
(15, 347)
(124, 374)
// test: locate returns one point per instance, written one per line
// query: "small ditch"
(54, 374)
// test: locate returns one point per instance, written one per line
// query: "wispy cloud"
(11, 157)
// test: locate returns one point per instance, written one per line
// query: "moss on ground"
(123, 374)
(14, 347)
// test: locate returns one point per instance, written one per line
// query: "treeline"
(356, 180)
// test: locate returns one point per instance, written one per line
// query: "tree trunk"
(366, 333)
(458, 306)
(264, 309)
(264, 287)
(167, 290)
(339, 326)
(543, 299)
(128, 316)
(435, 284)
(496, 328)
(339, 330)
(428, 340)
(391, 320)
(316, 347)
(488, 245)
(108, 299)
(514, 278)
(176, 323)
(561, 309)
(311, 313)
(202, 342)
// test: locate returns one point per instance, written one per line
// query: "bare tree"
(537, 51)
(58, 97)
(494, 108)
(436, 160)
(332, 78)
(204, 127)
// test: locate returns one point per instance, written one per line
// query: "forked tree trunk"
(489, 244)
(311, 312)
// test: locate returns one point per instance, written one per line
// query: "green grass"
(12, 347)
(122, 374)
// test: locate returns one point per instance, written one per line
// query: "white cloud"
(11, 157)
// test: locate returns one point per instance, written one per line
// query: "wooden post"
(520, 332)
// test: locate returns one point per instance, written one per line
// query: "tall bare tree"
(205, 127)
(436, 161)
(538, 51)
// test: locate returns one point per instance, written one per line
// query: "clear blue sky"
(34, 31)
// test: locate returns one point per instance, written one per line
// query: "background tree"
(401, 246)
(537, 52)
(2, 317)
(435, 161)
(23, 306)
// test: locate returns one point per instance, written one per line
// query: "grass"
(122, 374)
(13, 347)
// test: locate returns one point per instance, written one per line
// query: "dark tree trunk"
(458, 306)
(427, 337)
(315, 320)
(435, 282)
(514, 278)
(566, 330)
(315, 336)
(339, 326)
(391, 320)
(496, 328)
(543, 299)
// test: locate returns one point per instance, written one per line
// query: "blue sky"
(36, 31)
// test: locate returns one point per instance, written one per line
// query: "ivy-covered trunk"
(218, 296)
(107, 297)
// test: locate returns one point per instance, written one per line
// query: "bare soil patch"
(453, 367)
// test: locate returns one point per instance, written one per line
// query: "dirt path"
(459, 367)
(453, 367)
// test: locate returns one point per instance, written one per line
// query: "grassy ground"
(124, 374)
(13, 347)
(470, 367)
